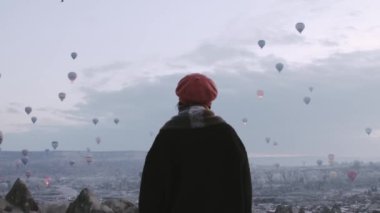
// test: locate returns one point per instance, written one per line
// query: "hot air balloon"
(279, 67)
(260, 94)
(311, 89)
(71, 163)
(116, 120)
(28, 110)
(88, 159)
(72, 76)
(47, 181)
(34, 119)
(28, 174)
(98, 140)
(352, 175)
(300, 27)
(88, 149)
(1, 137)
(95, 121)
(245, 121)
(54, 144)
(25, 160)
(24, 152)
(306, 100)
(261, 43)
(62, 96)
(368, 130)
(74, 55)
(267, 139)
(319, 162)
(275, 143)
(277, 165)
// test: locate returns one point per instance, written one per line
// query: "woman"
(197, 163)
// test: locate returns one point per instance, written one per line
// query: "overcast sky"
(131, 54)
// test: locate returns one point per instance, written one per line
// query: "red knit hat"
(196, 88)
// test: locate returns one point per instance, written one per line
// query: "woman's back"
(197, 162)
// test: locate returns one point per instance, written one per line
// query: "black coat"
(196, 166)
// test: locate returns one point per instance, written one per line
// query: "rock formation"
(86, 202)
(284, 209)
(119, 205)
(20, 196)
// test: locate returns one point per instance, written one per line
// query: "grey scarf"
(193, 117)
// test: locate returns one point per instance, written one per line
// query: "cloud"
(15, 104)
(12, 110)
(143, 99)
(107, 68)
(341, 107)
(355, 13)
(353, 66)
(375, 134)
(336, 110)
(119, 75)
(228, 58)
(219, 56)
(281, 114)
(329, 43)
(211, 54)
